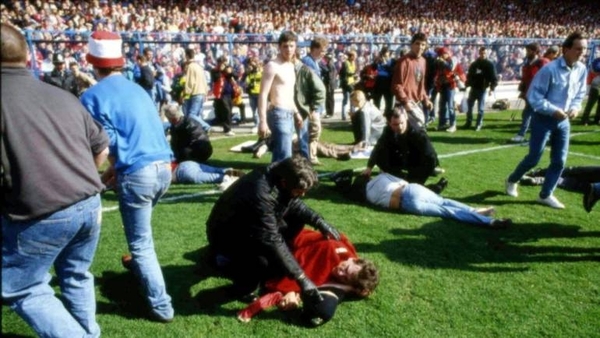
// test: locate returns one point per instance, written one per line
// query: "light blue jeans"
(545, 128)
(281, 123)
(193, 107)
(67, 240)
(253, 100)
(418, 200)
(446, 108)
(198, 173)
(138, 193)
(525, 119)
(304, 139)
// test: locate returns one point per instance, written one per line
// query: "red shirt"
(317, 256)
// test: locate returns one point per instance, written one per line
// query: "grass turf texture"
(438, 278)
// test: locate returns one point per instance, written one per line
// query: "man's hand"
(428, 105)
(298, 120)
(310, 295)
(263, 130)
(560, 115)
(572, 114)
(328, 230)
(367, 172)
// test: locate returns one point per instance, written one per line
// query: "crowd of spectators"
(364, 26)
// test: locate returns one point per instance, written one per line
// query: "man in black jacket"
(404, 150)
(189, 141)
(253, 223)
(481, 75)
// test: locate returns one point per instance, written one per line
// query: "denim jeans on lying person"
(281, 124)
(138, 193)
(67, 240)
(418, 200)
(545, 128)
(198, 173)
(193, 107)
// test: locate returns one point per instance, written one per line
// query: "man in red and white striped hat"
(140, 160)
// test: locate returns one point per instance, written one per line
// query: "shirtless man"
(276, 107)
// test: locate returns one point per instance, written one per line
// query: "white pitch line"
(460, 153)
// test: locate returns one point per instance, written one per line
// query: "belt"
(396, 198)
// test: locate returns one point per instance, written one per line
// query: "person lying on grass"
(390, 192)
(334, 267)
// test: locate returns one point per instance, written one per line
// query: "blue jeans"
(198, 173)
(525, 119)
(66, 239)
(253, 100)
(545, 128)
(447, 113)
(430, 113)
(281, 123)
(479, 96)
(418, 200)
(138, 194)
(193, 107)
(345, 100)
(303, 138)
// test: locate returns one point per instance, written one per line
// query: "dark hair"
(297, 172)
(570, 40)
(287, 36)
(398, 109)
(418, 37)
(190, 53)
(14, 46)
(534, 47)
(108, 71)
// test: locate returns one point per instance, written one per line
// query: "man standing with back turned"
(555, 95)
(51, 212)
(140, 159)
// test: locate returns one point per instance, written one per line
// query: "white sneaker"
(551, 201)
(438, 171)
(230, 133)
(511, 189)
(452, 128)
(518, 139)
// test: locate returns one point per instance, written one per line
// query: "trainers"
(589, 198)
(261, 151)
(230, 133)
(518, 139)
(551, 201)
(502, 223)
(478, 128)
(467, 125)
(438, 171)
(451, 129)
(511, 189)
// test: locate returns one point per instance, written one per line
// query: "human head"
(398, 120)
(351, 55)
(295, 175)
(532, 50)
(444, 52)
(574, 47)
(384, 53)
(551, 52)
(14, 47)
(361, 274)
(318, 47)
(358, 98)
(173, 113)
(287, 45)
(418, 44)
(482, 52)
(190, 54)
(105, 52)
(149, 54)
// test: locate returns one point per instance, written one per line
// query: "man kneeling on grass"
(333, 265)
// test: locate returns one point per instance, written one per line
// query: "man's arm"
(536, 95)
(265, 87)
(101, 157)
(397, 79)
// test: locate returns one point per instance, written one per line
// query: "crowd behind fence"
(506, 53)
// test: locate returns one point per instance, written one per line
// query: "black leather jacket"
(253, 217)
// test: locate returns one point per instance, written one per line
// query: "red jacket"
(528, 71)
(317, 256)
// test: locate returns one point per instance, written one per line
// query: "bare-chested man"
(276, 107)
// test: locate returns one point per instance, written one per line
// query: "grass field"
(540, 278)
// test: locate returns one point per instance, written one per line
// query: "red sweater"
(317, 256)
(528, 71)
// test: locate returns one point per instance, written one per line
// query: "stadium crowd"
(365, 26)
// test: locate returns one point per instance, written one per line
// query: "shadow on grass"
(442, 245)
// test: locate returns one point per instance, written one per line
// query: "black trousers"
(223, 108)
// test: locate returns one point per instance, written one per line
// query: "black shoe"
(467, 125)
(442, 184)
(503, 223)
(590, 198)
